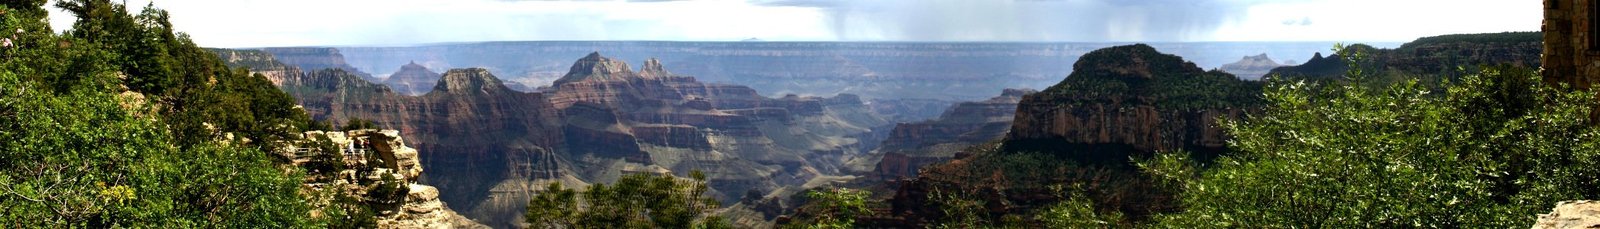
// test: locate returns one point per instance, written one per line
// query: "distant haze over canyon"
(873, 70)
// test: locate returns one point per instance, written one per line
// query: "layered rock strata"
(412, 79)
(384, 154)
(913, 145)
(489, 148)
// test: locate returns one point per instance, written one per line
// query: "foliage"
(1496, 149)
(326, 159)
(634, 201)
(389, 192)
(359, 124)
(78, 159)
(1481, 38)
(341, 208)
(1002, 187)
(319, 125)
(1077, 213)
(960, 210)
(120, 123)
(1140, 75)
(552, 208)
(837, 208)
(201, 97)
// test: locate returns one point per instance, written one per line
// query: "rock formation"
(418, 208)
(1134, 96)
(1571, 214)
(315, 58)
(1251, 67)
(259, 62)
(412, 79)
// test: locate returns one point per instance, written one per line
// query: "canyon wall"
(910, 146)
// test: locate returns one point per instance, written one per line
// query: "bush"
(1494, 151)
(118, 123)
(634, 201)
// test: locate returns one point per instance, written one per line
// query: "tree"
(327, 160)
(78, 159)
(836, 207)
(359, 124)
(1493, 151)
(634, 201)
(552, 208)
(116, 124)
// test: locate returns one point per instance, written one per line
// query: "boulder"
(1571, 214)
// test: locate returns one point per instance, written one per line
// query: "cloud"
(256, 23)
(1304, 21)
(1025, 20)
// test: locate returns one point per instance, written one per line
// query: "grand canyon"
(113, 116)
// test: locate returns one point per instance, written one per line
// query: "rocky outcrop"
(1571, 214)
(372, 157)
(1137, 97)
(1251, 67)
(412, 79)
(259, 62)
(315, 58)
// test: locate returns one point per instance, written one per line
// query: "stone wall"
(1569, 55)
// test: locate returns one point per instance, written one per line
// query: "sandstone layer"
(910, 146)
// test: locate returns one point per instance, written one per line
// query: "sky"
(266, 23)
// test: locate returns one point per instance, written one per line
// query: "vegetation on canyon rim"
(1489, 150)
(634, 201)
(76, 151)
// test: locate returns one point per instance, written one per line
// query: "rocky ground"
(1571, 214)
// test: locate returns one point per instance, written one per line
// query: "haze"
(260, 23)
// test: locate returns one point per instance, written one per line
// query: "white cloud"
(1381, 20)
(255, 23)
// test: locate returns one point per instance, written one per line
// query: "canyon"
(489, 147)
(910, 146)
(490, 142)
